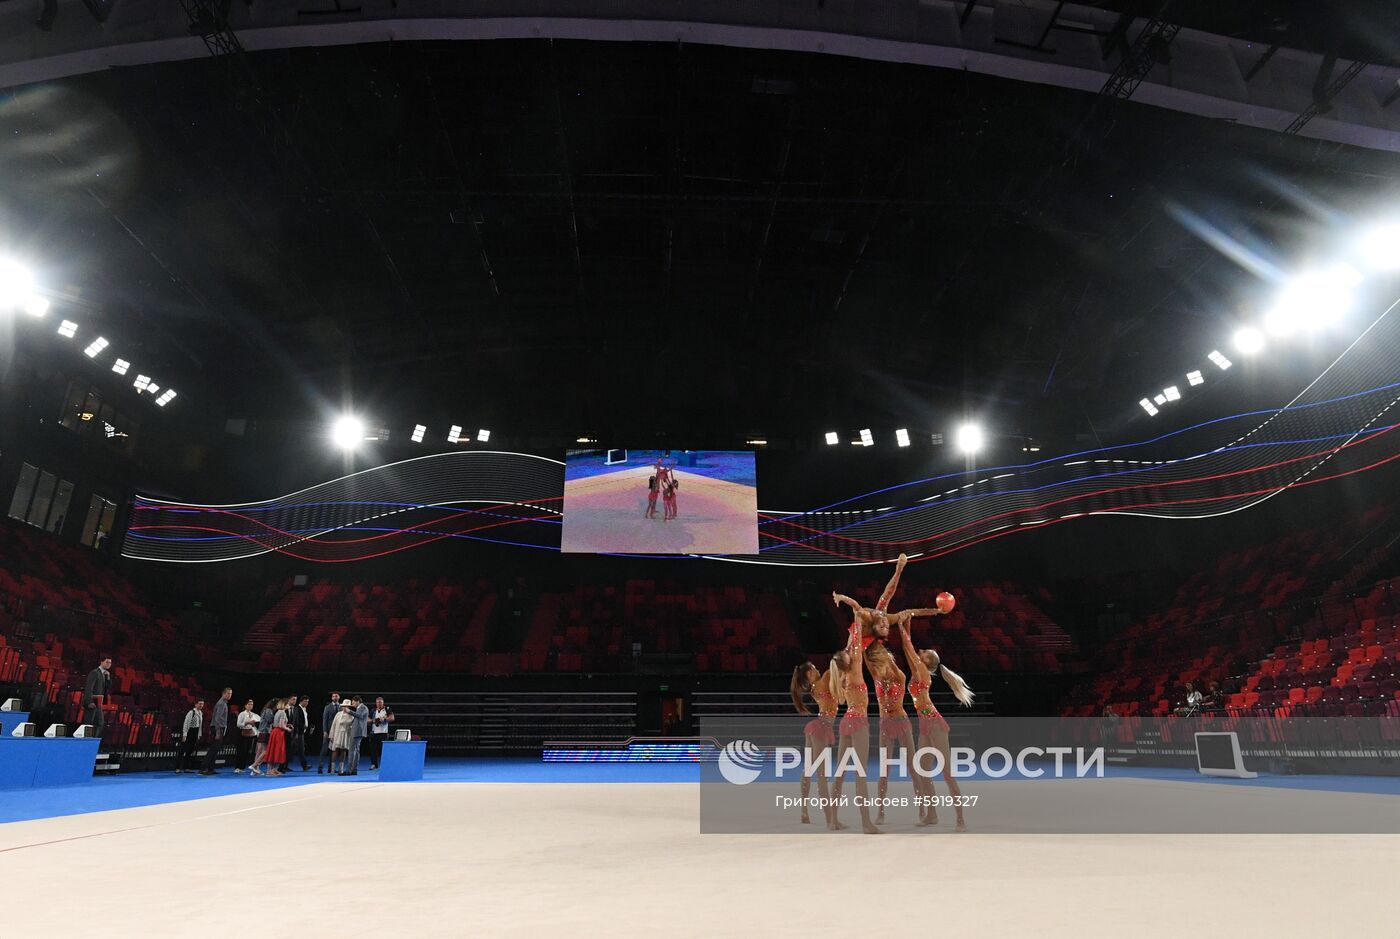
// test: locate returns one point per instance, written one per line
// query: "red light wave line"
(1089, 495)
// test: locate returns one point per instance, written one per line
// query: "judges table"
(29, 762)
(402, 760)
(9, 720)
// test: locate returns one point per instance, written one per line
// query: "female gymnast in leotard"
(855, 731)
(889, 680)
(933, 728)
(894, 723)
(825, 688)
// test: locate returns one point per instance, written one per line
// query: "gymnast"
(855, 731)
(825, 688)
(933, 727)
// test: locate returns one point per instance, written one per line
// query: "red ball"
(945, 602)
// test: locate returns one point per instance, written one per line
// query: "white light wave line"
(341, 479)
(1187, 459)
(296, 540)
(1267, 496)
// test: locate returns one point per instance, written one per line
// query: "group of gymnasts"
(662, 482)
(844, 682)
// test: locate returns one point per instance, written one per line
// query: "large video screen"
(660, 502)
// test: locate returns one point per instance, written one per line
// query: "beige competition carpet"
(623, 860)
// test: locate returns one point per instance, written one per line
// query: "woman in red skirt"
(277, 740)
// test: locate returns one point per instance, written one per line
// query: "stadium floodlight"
(454, 434)
(1161, 399)
(419, 432)
(832, 438)
(347, 432)
(867, 438)
(152, 388)
(1248, 340)
(1380, 248)
(1219, 359)
(901, 437)
(95, 347)
(120, 366)
(756, 442)
(483, 435)
(970, 438)
(142, 382)
(36, 305)
(1314, 300)
(165, 398)
(67, 329)
(1171, 393)
(1149, 407)
(16, 284)
(1195, 378)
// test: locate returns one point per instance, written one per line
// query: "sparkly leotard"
(890, 695)
(857, 703)
(929, 717)
(821, 727)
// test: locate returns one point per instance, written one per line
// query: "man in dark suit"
(296, 733)
(309, 734)
(95, 692)
(328, 714)
(218, 731)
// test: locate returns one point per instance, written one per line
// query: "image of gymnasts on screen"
(660, 502)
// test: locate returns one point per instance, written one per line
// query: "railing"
(462, 722)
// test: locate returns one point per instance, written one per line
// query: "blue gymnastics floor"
(140, 789)
(137, 789)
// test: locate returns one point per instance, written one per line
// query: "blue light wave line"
(1120, 446)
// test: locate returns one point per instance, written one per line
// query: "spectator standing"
(302, 715)
(328, 714)
(248, 720)
(189, 735)
(265, 722)
(379, 731)
(288, 703)
(357, 734)
(340, 736)
(96, 690)
(218, 732)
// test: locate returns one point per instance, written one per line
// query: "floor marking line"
(180, 821)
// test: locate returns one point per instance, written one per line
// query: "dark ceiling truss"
(1325, 92)
(1152, 46)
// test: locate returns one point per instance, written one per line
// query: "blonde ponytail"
(955, 681)
(835, 683)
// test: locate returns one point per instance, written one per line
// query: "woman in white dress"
(340, 735)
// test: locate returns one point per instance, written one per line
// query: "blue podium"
(30, 762)
(402, 760)
(9, 720)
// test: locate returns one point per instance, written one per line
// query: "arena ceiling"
(568, 238)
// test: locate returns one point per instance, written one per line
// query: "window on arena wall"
(98, 525)
(41, 499)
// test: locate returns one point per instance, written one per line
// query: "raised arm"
(840, 598)
(854, 649)
(906, 615)
(888, 595)
(911, 655)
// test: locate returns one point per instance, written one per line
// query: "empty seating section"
(420, 624)
(61, 606)
(434, 626)
(1268, 625)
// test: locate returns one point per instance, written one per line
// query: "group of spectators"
(272, 741)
